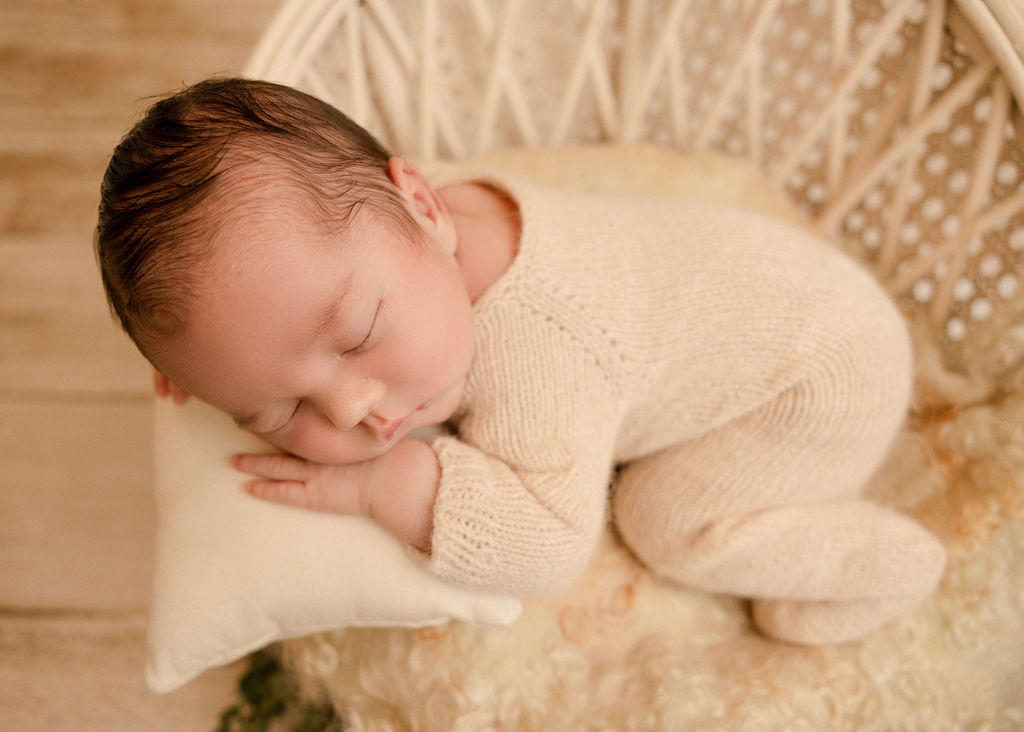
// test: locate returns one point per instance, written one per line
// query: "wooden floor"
(76, 514)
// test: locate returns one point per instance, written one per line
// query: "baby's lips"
(389, 429)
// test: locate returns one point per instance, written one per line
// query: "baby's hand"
(297, 482)
(163, 387)
(396, 489)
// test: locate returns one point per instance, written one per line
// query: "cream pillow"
(233, 574)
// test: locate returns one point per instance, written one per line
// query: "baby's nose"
(349, 407)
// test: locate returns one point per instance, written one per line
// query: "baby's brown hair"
(154, 212)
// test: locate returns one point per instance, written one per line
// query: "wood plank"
(74, 59)
(36, 184)
(66, 22)
(223, 32)
(81, 675)
(76, 512)
(75, 75)
(57, 332)
(76, 505)
(92, 85)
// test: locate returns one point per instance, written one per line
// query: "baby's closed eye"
(366, 342)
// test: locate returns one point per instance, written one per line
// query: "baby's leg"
(766, 507)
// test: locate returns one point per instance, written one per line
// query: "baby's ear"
(412, 185)
(423, 202)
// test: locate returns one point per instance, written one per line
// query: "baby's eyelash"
(363, 345)
(288, 421)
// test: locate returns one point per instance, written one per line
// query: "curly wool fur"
(624, 650)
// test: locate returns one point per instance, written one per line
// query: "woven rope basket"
(895, 125)
(891, 122)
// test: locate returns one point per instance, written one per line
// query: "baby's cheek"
(279, 439)
(321, 442)
(303, 439)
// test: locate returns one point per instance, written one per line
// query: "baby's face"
(332, 350)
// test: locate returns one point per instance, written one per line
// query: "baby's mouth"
(390, 428)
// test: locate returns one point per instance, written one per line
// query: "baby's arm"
(396, 489)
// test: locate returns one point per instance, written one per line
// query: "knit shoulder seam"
(546, 301)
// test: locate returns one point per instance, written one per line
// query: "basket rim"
(998, 23)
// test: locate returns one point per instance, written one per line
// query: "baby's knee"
(651, 509)
(873, 361)
(859, 394)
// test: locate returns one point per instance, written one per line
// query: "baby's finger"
(163, 387)
(273, 466)
(161, 384)
(294, 493)
(178, 395)
(288, 492)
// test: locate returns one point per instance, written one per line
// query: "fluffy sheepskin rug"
(625, 650)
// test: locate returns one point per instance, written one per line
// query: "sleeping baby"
(720, 383)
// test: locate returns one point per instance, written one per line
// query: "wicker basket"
(895, 125)
(892, 122)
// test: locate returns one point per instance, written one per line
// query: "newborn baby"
(738, 378)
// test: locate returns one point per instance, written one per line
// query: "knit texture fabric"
(749, 376)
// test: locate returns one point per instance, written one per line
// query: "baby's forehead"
(254, 195)
(242, 181)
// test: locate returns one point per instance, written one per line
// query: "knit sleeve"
(523, 490)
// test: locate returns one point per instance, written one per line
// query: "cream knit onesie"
(749, 377)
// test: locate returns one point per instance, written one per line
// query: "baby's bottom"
(766, 507)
